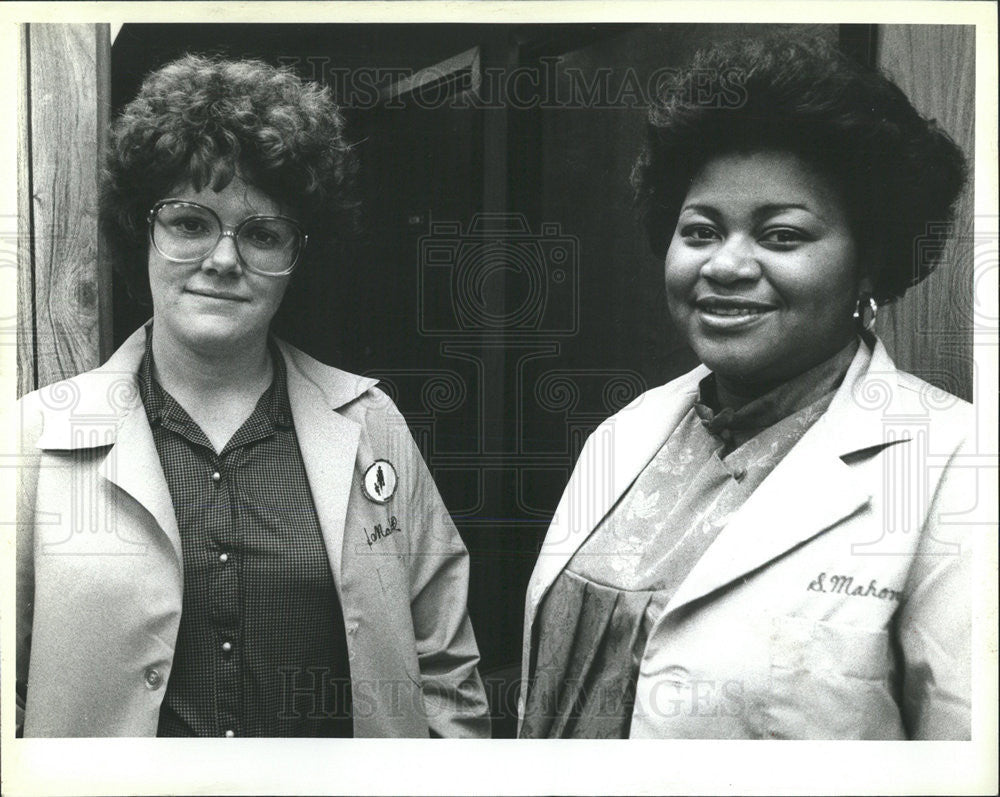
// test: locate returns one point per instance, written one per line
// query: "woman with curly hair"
(764, 548)
(219, 535)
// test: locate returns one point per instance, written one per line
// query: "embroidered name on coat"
(844, 585)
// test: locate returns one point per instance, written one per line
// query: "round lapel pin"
(380, 481)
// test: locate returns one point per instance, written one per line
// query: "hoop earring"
(873, 305)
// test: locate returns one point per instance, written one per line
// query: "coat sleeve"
(454, 698)
(935, 630)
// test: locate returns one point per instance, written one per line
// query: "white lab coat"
(836, 601)
(99, 559)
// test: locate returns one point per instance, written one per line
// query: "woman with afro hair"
(219, 535)
(765, 547)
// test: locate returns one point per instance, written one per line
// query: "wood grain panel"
(929, 332)
(27, 377)
(68, 76)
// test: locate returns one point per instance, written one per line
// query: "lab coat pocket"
(830, 681)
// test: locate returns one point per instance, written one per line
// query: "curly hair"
(899, 174)
(202, 120)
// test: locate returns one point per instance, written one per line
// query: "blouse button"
(223, 557)
(216, 476)
(230, 734)
(153, 678)
(227, 646)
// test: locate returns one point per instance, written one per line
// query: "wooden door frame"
(64, 273)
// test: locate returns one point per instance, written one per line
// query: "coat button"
(153, 678)
(227, 646)
(230, 734)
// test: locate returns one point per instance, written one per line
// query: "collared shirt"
(594, 622)
(261, 649)
(734, 427)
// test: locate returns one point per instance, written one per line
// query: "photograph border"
(281, 766)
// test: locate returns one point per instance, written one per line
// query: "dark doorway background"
(504, 339)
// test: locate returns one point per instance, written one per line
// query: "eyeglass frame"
(226, 231)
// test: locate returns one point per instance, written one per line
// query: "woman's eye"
(699, 233)
(262, 237)
(783, 236)
(190, 225)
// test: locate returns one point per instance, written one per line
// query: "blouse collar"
(734, 427)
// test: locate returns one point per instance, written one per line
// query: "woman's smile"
(730, 313)
(209, 293)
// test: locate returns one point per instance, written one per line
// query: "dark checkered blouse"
(261, 649)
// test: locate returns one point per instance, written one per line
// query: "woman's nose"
(224, 257)
(734, 260)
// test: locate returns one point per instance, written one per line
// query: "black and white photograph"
(395, 389)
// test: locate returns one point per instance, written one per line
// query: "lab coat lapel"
(614, 456)
(133, 465)
(329, 443)
(103, 407)
(807, 493)
(811, 489)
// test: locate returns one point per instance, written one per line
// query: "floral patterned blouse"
(594, 622)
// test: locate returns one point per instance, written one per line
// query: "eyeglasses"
(184, 232)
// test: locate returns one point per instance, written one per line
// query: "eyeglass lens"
(186, 231)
